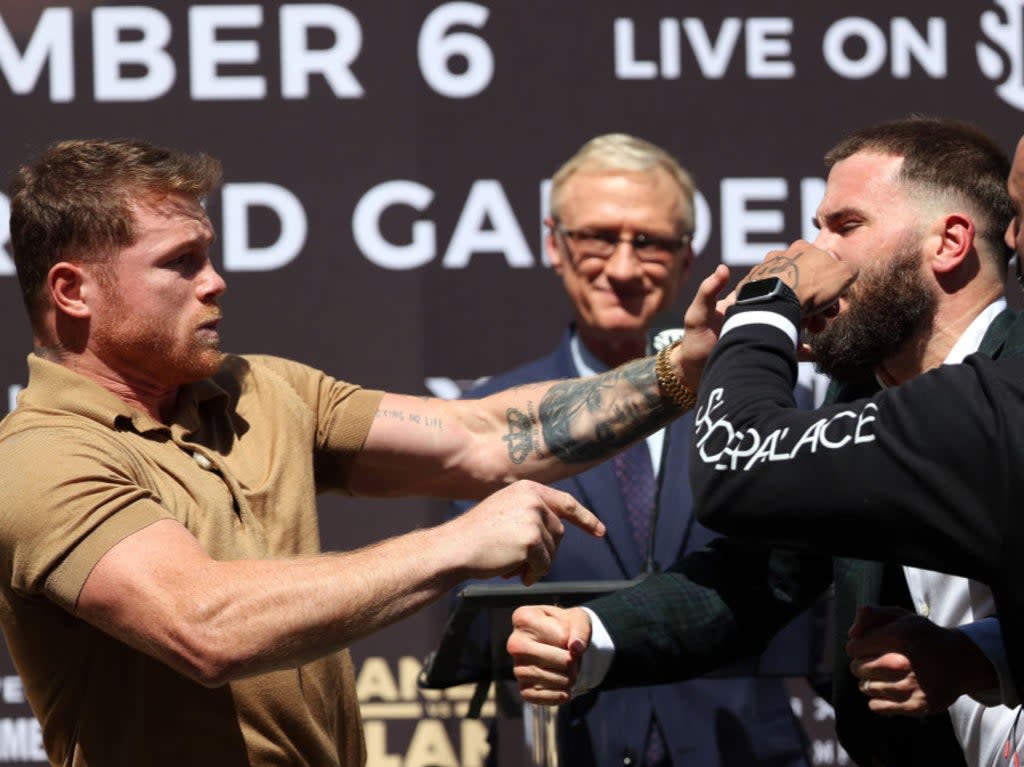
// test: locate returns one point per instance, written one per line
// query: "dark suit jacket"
(859, 582)
(704, 611)
(732, 720)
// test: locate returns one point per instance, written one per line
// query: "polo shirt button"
(202, 460)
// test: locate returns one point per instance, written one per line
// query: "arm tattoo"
(782, 267)
(428, 421)
(590, 418)
(520, 435)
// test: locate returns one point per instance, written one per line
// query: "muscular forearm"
(556, 426)
(158, 591)
(273, 614)
(543, 431)
(216, 621)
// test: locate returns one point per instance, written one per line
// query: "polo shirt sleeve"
(342, 415)
(69, 495)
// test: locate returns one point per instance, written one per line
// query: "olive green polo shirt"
(240, 465)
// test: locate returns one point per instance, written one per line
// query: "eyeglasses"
(601, 243)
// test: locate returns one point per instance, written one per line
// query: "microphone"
(664, 330)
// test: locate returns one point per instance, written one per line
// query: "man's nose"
(825, 240)
(624, 263)
(210, 284)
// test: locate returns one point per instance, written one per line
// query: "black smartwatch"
(762, 291)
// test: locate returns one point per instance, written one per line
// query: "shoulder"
(31, 437)
(241, 366)
(280, 390)
(253, 373)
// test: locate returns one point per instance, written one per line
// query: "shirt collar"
(587, 364)
(970, 341)
(53, 386)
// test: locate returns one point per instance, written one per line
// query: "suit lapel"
(601, 483)
(1004, 337)
(677, 530)
(675, 516)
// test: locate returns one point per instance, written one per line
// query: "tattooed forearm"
(590, 418)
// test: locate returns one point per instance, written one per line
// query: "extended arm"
(466, 448)
(544, 431)
(214, 621)
(713, 607)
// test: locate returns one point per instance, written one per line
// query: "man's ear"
(956, 242)
(686, 261)
(68, 290)
(554, 253)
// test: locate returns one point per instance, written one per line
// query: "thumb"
(703, 307)
(580, 630)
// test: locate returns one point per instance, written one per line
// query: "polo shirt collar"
(53, 386)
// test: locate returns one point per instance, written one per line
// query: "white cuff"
(758, 317)
(597, 658)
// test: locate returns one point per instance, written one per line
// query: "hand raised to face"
(816, 276)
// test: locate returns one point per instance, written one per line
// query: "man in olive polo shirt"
(162, 593)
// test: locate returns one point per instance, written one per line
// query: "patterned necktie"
(636, 480)
(655, 751)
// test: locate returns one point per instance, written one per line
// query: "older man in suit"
(619, 235)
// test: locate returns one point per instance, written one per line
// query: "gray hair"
(622, 152)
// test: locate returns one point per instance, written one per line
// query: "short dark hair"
(945, 156)
(75, 202)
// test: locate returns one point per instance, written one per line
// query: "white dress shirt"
(982, 725)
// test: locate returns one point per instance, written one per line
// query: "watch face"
(760, 290)
(665, 338)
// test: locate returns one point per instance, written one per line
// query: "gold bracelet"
(671, 383)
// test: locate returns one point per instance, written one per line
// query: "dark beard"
(888, 307)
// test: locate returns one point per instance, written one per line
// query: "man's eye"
(180, 262)
(608, 238)
(648, 242)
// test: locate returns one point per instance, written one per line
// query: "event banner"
(386, 174)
